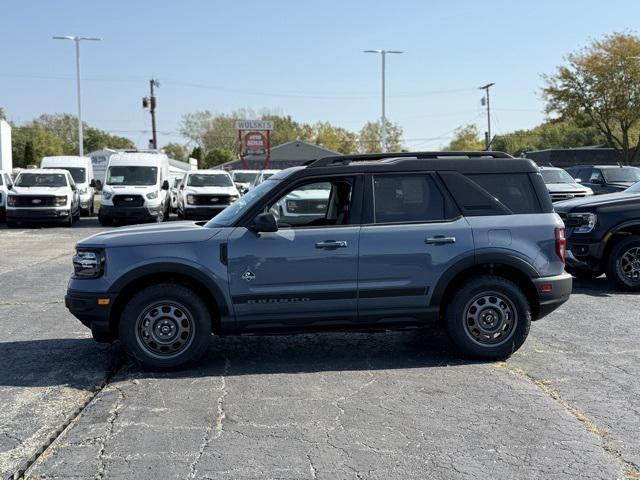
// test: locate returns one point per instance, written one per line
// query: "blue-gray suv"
(468, 241)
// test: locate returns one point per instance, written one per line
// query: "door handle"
(439, 240)
(332, 244)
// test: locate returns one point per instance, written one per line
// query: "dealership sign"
(254, 139)
(255, 143)
(254, 125)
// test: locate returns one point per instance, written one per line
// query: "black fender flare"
(194, 271)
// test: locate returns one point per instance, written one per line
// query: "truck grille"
(212, 200)
(128, 201)
(34, 201)
(557, 196)
(307, 207)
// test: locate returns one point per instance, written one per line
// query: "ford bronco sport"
(468, 241)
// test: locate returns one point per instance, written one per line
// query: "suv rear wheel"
(488, 317)
(165, 326)
(623, 264)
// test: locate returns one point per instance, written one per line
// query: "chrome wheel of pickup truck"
(165, 329)
(490, 318)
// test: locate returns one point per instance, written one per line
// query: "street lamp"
(383, 134)
(78, 39)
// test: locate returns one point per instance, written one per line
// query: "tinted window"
(41, 180)
(622, 174)
(584, 174)
(209, 180)
(596, 176)
(407, 198)
(513, 190)
(132, 175)
(78, 173)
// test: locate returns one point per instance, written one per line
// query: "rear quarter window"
(513, 190)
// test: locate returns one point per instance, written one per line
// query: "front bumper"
(552, 292)
(585, 253)
(33, 214)
(130, 213)
(85, 307)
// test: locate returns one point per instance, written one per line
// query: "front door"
(415, 235)
(304, 274)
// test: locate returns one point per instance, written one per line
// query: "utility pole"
(77, 39)
(487, 137)
(150, 103)
(383, 120)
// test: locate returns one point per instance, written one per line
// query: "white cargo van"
(81, 170)
(136, 188)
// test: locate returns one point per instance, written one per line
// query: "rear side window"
(407, 198)
(513, 190)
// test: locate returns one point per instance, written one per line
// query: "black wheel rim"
(165, 329)
(629, 265)
(490, 319)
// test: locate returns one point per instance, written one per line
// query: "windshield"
(209, 180)
(233, 212)
(624, 174)
(132, 176)
(42, 180)
(556, 176)
(244, 177)
(78, 174)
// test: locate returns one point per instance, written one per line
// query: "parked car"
(40, 195)
(136, 188)
(81, 170)
(243, 179)
(304, 204)
(262, 176)
(603, 235)
(5, 186)
(174, 191)
(407, 240)
(205, 193)
(605, 178)
(561, 185)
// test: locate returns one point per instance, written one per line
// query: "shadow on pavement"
(76, 362)
(596, 287)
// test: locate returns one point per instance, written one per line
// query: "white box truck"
(6, 159)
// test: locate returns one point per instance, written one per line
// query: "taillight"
(561, 243)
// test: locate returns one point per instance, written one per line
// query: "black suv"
(603, 235)
(605, 178)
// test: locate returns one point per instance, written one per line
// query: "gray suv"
(468, 241)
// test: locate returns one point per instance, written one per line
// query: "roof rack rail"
(347, 159)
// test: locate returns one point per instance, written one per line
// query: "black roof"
(465, 162)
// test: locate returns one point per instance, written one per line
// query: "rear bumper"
(130, 213)
(26, 214)
(85, 307)
(552, 292)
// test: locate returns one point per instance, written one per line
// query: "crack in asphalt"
(113, 416)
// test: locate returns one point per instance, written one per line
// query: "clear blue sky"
(300, 58)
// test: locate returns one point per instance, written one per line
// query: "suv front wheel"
(623, 265)
(165, 326)
(488, 317)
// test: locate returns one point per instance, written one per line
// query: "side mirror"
(165, 185)
(265, 222)
(74, 188)
(10, 186)
(181, 187)
(92, 183)
(578, 180)
(98, 184)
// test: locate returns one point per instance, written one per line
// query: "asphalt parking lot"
(327, 406)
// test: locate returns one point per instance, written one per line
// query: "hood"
(211, 190)
(596, 201)
(40, 190)
(154, 234)
(565, 187)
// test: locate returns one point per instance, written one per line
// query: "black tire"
(165, 306)
(490, 332)
(68, 222)
(619, 262)
(582, 274)
(105, 221)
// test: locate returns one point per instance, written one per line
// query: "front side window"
(209, 180)
(41, 180)
(596, 177)
(325, 203)
(622, 174)
(246, 202)
(513, 190)
(407, 198)
(131, 175)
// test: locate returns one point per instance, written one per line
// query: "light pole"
(487, 140)
(383, 121)
(77, 39)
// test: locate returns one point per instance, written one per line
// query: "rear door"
(412, 235)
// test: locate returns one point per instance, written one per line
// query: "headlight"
(11, 200)
(107, 195)
(88, 263)
(152, 195)
(581, 222)
(233, 198)
(60, 201)
(82, 190)
(191, 199)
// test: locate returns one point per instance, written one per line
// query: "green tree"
(334, 138)
(96, 139)
(216, 157)
(2, 114)
(64, 126)
(31, 142)
(177, 151)
(600, 86)
(197, 153)
(370, 137)
(466, 138)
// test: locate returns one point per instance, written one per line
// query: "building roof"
(289, 154)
